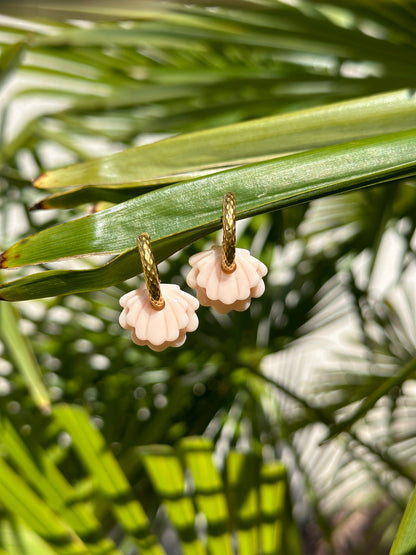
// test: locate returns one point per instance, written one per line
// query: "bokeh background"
(313, 386)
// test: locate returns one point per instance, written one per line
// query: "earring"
(158, 315)
(226, 278)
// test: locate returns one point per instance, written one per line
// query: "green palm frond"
(259, 509)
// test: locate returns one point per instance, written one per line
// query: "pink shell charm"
(225, 291)
(159, 329)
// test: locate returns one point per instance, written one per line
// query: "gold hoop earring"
(151, 275)
(155, 320)
(228, 229)
(226, 278)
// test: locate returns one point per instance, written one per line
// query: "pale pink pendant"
(158, 315)
(226, 278)
(225, 291)
(159, 329)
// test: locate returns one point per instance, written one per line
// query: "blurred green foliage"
(326, 355)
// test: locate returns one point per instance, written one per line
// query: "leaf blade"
(44, 476)
(21, 500)
(108, 475)
(65, 282)
(21, 351)
(405, 540)
(167, 477)
(209, 492)
(180, 157)
(196, 205)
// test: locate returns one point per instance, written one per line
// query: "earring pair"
(226, 278)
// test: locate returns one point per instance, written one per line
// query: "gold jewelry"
(228, 229)
(151, 276)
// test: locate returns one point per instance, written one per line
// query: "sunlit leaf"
(167, 476)
(22, 352)
(108, 475)
(194, 208)
(190, 155)
(121, 268)
(44, 476)
(259, 188)
(209, 492)
(405, 540)
(10, 58)
(20, 500)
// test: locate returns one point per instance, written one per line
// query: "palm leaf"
(166, 471)
(278, 183)
(22, 353)
(404, 542)
(108, 476)
(183, 157)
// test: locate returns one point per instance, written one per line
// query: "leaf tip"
(38, 205)
(39, 181)
(3, 260)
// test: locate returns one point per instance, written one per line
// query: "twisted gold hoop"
(228, 229)
(151, 276)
